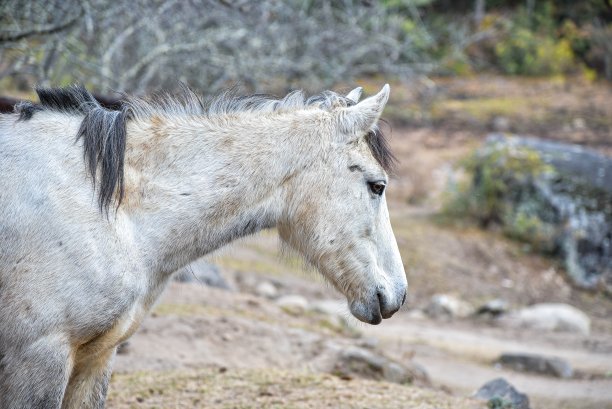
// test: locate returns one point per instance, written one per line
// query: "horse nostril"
(404, 298)
(379, 295)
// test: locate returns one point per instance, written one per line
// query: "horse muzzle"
(380, 305)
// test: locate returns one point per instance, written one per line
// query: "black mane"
(103, 132)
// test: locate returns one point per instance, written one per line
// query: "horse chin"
(368, 313)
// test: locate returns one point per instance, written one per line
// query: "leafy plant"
(499, 403)
(494, 172)
(531, 45)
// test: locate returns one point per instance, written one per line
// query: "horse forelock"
(379, 146)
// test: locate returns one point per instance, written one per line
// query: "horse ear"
(355, 94)
(363, 116)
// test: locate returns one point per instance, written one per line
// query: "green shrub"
(527, 226)
(532, 46)
(500, 403)
(494, 172)
(527, 53)
(499, 189)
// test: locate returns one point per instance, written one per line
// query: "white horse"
(81, 263)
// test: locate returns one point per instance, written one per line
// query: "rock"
(545, 365)
(330, 307)
(123, 348)
(266, 289)
(579, 124)
(293, 304)
(501, 124)
(417, 315)
(499, 394)
(550, 317)
(448, 306)
(200, 271)
(494, 308)
(359, 362)
(368, 343)
(336, 317)
(565, 211)
(418, 373)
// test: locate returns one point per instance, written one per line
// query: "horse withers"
(99, 207)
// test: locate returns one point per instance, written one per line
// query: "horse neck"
(195, 184)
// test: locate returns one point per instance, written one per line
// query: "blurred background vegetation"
(141, 45)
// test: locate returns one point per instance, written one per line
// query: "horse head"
(336, 212)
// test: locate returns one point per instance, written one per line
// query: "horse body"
(67, 276)
(75, 282)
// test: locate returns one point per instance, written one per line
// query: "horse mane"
(188, 103)
(103, 130)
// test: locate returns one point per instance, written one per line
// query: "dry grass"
(269, 388)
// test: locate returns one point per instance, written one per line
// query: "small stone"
(123, 348)
(501, 124)
(266, 289)
(551, 317)
(579, 124)
(354, 354)
(418, 372)
(498, 393)
(368, 342)
(545, 365)
(329, 307)
(448, 306)
(417, 315)
(394, 372)
(293, 304)
(494, 307)
(203, 272)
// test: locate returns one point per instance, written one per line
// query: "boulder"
(545, 365)
(563, 208)
(550, 317)
(499, 394)
(448, 306)
(203, 272)
(354, 361)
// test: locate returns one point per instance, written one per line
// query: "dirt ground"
(210, 348)
(205, 347)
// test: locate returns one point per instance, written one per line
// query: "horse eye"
(377, 188)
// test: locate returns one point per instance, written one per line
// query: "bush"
(494, 174)
(532, 47)
(527, 53)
